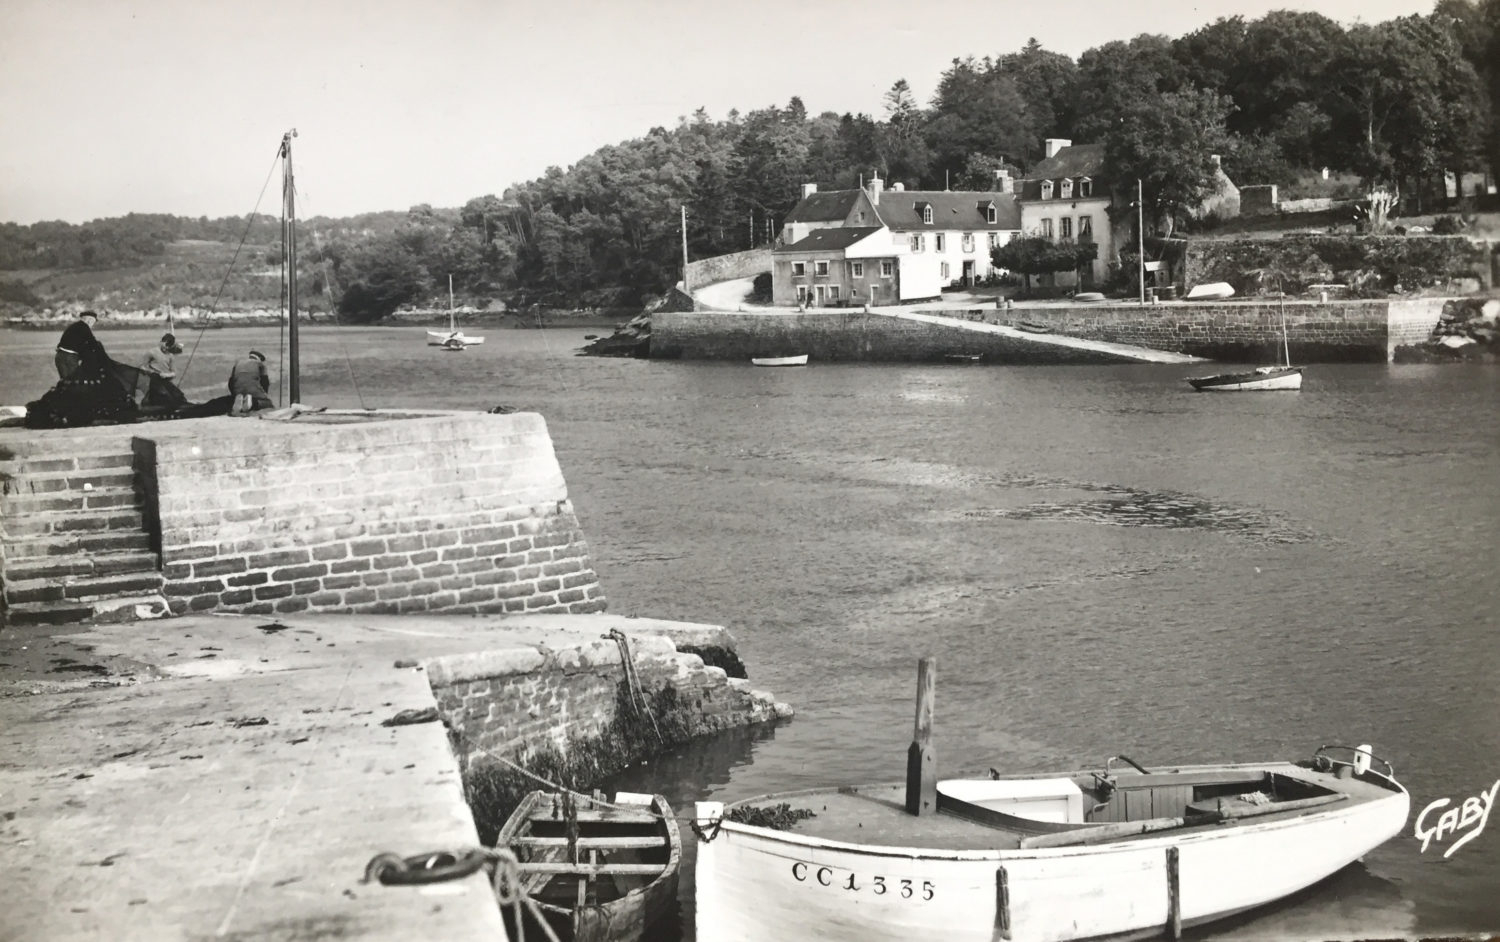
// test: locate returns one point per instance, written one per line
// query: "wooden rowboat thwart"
(599, 871)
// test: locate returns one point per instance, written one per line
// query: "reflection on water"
(1131, 508)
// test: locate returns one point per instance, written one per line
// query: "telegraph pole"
(684, 250)
(1140, 236)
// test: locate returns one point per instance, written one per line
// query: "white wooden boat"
(452, 336)
(1262, 377)
(1075, 856)
(780, 361)
(599, 871)
(1281, 376)
(1212, 291)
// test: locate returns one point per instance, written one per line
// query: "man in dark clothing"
(78, 348)
(250, 384)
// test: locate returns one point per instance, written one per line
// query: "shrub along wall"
(459, 512)
(1370, 265)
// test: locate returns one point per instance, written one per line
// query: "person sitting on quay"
(250, 385)
(159, 360)
(78, 348)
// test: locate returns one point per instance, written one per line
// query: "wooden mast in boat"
(289, 247)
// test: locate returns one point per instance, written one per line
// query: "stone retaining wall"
(710, 271)
(1243, 331)
(846, 335)
(397, 513)
(511, 703)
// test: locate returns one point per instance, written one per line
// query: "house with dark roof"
(1067, 195)
(911, 243)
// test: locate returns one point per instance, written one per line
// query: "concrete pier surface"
(230, 776)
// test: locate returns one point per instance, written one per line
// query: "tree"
(1048, 85)
(381, 275)
(977, 109)
(1168, 142)
(1038, 255)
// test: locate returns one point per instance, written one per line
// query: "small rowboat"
(963, 357)
(780, 361)
(599, 871)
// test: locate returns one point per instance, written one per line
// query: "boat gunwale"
(670, 868)
(1187, 833)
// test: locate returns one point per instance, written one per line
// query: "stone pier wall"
(1243, 331)
(456, 512)
(513, 702)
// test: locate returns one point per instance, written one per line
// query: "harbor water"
(1100, 560)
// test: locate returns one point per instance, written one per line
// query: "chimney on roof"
(1055, 144)
(1002, 180)
(876, 185)
(1217, 161)
(808, 189)
(898, 187)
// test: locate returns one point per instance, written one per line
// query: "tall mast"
(289, 240)
(450, 301)
(1140, 237)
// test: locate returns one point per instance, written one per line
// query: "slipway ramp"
(1121, 350)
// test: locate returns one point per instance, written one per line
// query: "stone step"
(84, 542)
(57, 568)
(49, 482)
(99, 498)
(72, 612)
(65, 522)
(81, 588)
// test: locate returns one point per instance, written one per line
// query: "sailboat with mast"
(452, 338)
(1282, 375)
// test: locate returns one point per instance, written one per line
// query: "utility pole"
(289, 213)
(1140, 236)
(685, 287)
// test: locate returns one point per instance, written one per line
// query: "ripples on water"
(1101, 560)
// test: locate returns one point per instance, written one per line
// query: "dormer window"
(1046, 189)
(988, 208)
(1085, 187)
(926, 210)
(1067, 190)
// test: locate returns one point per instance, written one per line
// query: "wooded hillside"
(1393, 104)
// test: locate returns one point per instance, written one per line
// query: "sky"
(178, 106)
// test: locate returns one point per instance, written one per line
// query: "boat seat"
(1056, 800)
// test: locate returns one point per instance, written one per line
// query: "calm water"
(1101, 561)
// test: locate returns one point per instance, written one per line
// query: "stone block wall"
(848, 335)
(458, 512)
(708, 271)
(1412, 322)
(509, 703)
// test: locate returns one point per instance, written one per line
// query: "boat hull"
(754, 883)
(1250, 380)
(635, 888)
(780, 361)
(439, 338)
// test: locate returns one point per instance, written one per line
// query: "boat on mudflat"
(599, 871)
(1262, 377)
(800, 360)
(1051, 857)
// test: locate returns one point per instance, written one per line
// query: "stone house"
(879, 246)
(1069, 193)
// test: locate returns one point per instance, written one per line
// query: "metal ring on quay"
(434, 867)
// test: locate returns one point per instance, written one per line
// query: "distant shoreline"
(188, 321)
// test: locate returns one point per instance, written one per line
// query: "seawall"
(380, 512)
(1241, 330)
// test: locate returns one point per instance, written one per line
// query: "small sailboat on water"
(1283, 375)
(452, 338)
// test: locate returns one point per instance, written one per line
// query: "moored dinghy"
(599, 871)
(1072, 856)
(800, 360)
